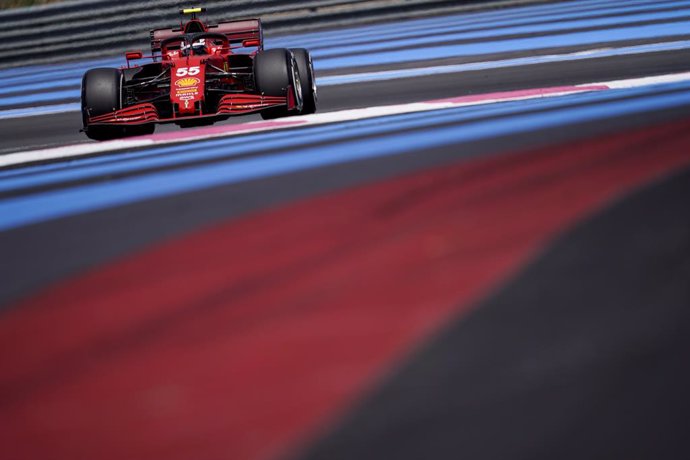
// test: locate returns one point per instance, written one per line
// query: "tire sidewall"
(305, 66)
(101, 93)
(274, 71)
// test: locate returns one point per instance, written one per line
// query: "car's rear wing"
(248, 32)
(241, 31)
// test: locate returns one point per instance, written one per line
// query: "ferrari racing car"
(199, 74)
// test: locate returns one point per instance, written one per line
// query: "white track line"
(92, 148)
(386, 75)
(646, 81)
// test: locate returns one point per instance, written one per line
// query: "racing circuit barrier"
(86, 29)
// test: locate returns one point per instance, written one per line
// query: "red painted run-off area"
(246, 340)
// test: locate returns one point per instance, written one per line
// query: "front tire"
(275, 71)
(101, 93)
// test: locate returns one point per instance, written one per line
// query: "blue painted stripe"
(496, 35)
(507, 46)
(392, 74)
(565, 9)
(32, 209)
(23, 71)
(44, 110)
(18, 90)
(219, 149)
(378, 76)
(73, 71)
(74, 94)
(40, 97)
(529, 23)
(70, 75)
(209, 149)
(473, 66)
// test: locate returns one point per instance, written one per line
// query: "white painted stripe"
(91, 148)
(646, 81)
(386, 75)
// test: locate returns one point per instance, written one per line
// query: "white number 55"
(184, 71)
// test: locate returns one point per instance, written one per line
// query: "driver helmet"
(197, 47)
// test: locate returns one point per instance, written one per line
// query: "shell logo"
(187, 82)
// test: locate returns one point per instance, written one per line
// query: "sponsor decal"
(187, 93)
(185, 71)
(188, 82)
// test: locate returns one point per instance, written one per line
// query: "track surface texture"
(479, 247)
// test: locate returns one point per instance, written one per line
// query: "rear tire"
(101, 93)
(275, 71)
(305, 66)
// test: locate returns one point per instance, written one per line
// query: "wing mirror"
(133, 55)
(251, 43)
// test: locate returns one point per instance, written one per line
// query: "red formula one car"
(199, 74)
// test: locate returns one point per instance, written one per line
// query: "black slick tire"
(275, 72)
(101, 93)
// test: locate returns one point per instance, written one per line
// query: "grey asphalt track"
(46, 253)
(580, 353)
(61, 129)
(583, 355)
